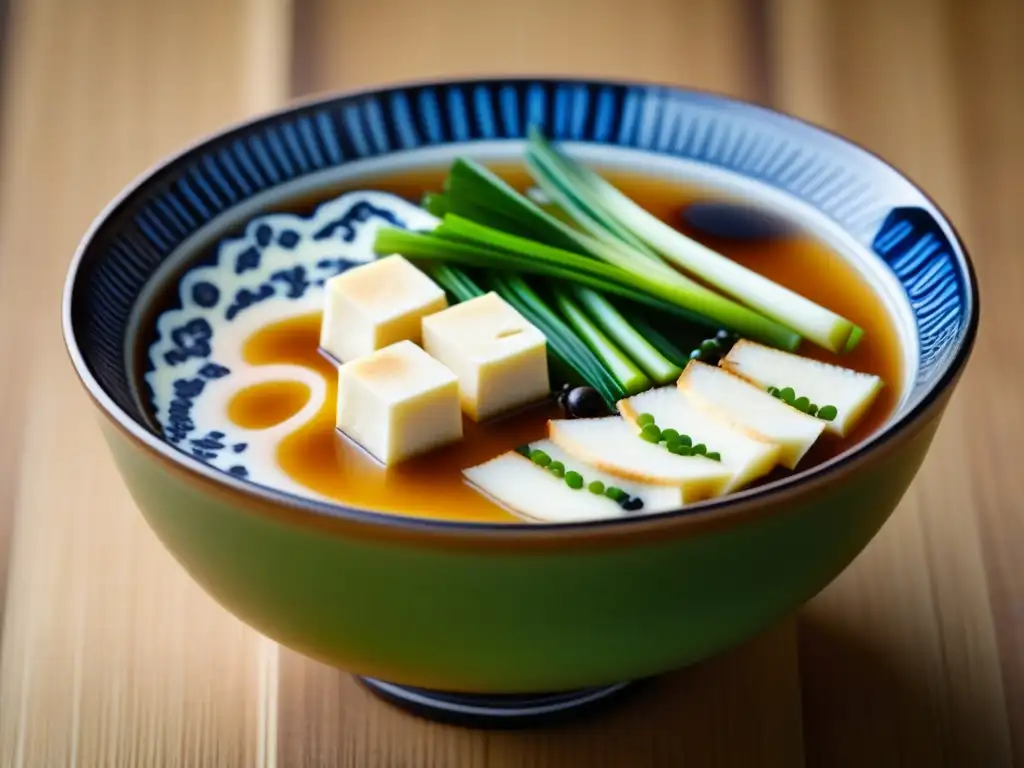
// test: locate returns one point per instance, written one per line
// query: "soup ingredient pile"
(585, 282)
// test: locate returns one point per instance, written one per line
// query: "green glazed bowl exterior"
(502, 614)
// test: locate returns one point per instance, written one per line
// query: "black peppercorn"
(584, 403)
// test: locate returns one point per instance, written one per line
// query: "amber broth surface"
(321, 459)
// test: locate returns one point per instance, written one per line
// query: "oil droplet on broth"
(267, 404)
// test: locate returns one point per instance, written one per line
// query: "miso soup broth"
(313, 457)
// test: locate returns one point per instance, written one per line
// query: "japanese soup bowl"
(455, 615)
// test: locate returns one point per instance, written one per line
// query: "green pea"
(686, 440)
(710, 347)
(596, 487)
(714, 456)
(554, 466)
(669, 435)
(644, 419)
(788, 395)
(651, 433)
(812, 409)
(523, 450)
(574, 480)
(681, 450)
(615, 494)
(557, 472)
(827, 412)
(540, 458)
(699, 449)
(802, 404)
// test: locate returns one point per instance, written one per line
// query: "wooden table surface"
(112, 657)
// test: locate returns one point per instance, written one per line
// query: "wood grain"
(111, 656)
(700, 43)
(741, 709)
(913, 623)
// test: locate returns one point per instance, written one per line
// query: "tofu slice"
(752, 409)
(398, 402)
(375, 305)
(656, 498)
(613, 445)
(851, 392)
(500, 358)
(746, 457)
(522, 486)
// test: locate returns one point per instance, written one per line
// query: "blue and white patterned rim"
(277, 266)
(134, 243)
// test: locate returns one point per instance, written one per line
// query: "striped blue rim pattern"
(868, 199)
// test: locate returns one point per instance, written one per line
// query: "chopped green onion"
(455, 281)
(562, 341)
(626, 336)
(629, 376)
(855, 336)
(615, 494)
(828, 412)
(493, 249)
(713, 455)
(669, 350)
(565, 194)
(435, 204)
(651, 433)
(540, 458)
(640, 275)
(817, 323)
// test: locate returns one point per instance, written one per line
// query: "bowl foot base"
(525, 710)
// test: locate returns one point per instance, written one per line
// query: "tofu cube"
(500, 358)
(398, 402)
(374, 305)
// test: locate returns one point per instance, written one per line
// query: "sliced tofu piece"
(398, 402)
(746, 457)
(613, 445)
(500, 358)
(656, 498)
(522, 486)
(850, 392)
(375, 305)
(752, 409)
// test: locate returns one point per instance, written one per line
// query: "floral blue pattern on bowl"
(277, 268)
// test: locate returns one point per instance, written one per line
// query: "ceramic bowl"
(473, 619)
